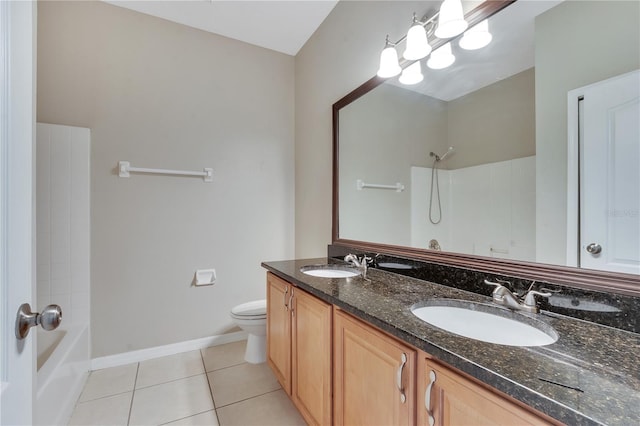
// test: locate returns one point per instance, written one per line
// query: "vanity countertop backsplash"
(590, 375)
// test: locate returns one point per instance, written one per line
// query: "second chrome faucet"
(503, 296)
(362, 264)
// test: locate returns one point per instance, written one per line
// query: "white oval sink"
(485, 322)
(330, 271)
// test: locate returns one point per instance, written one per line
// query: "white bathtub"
(63, 368)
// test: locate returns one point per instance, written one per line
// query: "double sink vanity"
(386, 348)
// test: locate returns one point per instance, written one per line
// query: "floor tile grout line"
(171, 381)
(80, 396)
(226, 367)
(103, 397)
(204, 371)
(251, 397)
(133, 394)
(213, 401)
(183, 418)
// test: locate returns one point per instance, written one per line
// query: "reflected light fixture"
(412, 74)
(476, 37)
(418, 46)
(441, 58)
(451, 20)
(389, 66)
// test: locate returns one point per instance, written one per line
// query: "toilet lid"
(251, 309)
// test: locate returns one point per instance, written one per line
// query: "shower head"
(440, 158)
(449, 151)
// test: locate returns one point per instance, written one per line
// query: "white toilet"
(252, 318)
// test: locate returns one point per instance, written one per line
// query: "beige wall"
(163, 95)
(577, 43)
(495, 123)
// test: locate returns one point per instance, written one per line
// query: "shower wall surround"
(62, 215)
(488, 210)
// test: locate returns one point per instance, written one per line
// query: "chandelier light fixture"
(447, 23)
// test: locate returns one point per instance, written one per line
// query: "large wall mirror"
(521, 157)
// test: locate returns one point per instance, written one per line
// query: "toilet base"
(256, 352)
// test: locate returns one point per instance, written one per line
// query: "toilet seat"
(256, 310)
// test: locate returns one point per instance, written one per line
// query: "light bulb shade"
(476, 37)
(451, 19)
(441, 58)
(389, 66)
(412, 74)
(417, 44)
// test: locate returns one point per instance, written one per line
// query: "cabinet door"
(453, 399)
(311, 353)
(279, 330)
(374, 376)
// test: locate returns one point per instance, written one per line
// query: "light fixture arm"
(388, 43)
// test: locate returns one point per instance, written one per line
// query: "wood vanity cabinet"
(299, 347)
(453, 399)
(374, 375)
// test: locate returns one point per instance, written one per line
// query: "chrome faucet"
(503, 296)
(360, 263)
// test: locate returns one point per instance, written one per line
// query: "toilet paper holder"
(204, 277)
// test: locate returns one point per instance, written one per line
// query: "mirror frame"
(589, 279)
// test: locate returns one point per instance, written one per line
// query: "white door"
(17, 129)
(610, 175)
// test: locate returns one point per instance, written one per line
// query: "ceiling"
(283, 26)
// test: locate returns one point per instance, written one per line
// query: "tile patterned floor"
(213, 386)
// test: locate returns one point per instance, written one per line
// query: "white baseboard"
(160, 351)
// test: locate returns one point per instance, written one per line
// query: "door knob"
(49, 319)
(594, 248)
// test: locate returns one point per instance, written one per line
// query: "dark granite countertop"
(590, 375)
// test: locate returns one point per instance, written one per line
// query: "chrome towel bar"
(398, 187)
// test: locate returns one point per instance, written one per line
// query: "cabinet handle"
(286, 290)
(403, 397)
(427, 397)
(290, 301)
